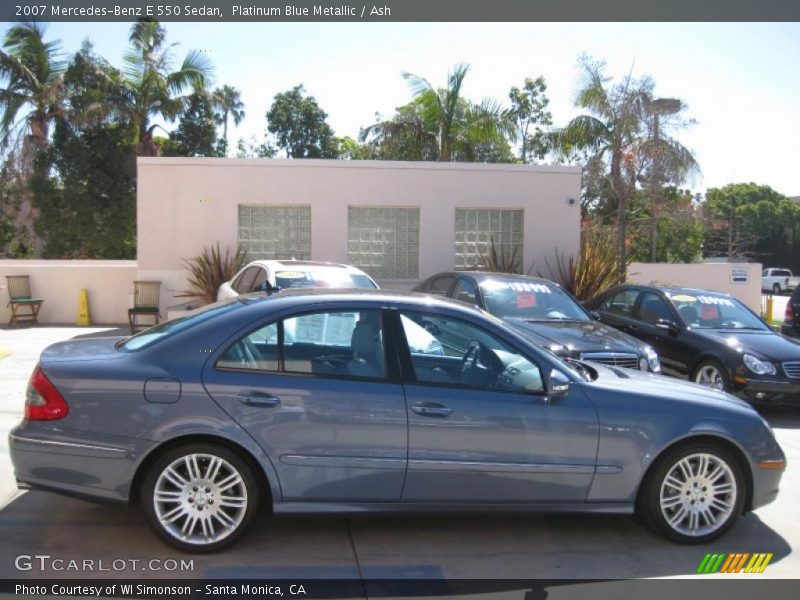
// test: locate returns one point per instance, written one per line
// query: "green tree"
(299, 125)
(88, 209)
(751, 220)
(196, 134)
(531, 117)
(403, 137)
(349, 149)
(442, 120)
(229, 105)
(681, 229)
(155, 89)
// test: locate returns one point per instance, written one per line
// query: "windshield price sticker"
(522, 286)
(715, 300)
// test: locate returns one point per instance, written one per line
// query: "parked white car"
(778, 281)
(267, 275)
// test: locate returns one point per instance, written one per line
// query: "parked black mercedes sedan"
(707, 337)
(549, 315)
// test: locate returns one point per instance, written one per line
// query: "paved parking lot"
(527, 546)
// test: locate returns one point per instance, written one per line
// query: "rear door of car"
(333, 423)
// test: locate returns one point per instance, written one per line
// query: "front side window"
(467, 356)
(654, 309)
(466, 291)
(343, 343)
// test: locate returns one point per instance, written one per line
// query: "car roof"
(309, 296)
(673, 289)
(306, 265)
(488, 274)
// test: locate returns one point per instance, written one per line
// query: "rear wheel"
(694, 494)
(776, 288)
(200, 497)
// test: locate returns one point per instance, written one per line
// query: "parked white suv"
(266, 275)
(778, 281)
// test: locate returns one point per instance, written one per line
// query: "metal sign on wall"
(740, 274)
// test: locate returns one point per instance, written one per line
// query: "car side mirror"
(558, 384)
(667, 325)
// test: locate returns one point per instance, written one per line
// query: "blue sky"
(741, 81)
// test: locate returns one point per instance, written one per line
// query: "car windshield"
(173, 326)
(519, 298)
(704, 310)
(329, 278)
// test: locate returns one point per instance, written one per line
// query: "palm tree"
(228, 101)
(609, 130)
(33, 72)
(155, 89)
(444, 118)
(670, 161)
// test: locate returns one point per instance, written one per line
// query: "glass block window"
(281, 232)
(478, 228)
(384, 242)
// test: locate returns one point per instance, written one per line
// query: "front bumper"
(784, 391)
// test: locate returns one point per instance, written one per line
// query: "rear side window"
(245, 282)
(440, 286)
(621, 303)
(343, 343)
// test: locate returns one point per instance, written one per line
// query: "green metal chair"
(19, 296)
(146, 298)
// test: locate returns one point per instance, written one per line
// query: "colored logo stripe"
(734, 563)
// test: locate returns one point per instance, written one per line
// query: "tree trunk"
(622, 216)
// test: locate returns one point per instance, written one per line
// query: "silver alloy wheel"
(698, 494)
(710, 376)
(200, 498)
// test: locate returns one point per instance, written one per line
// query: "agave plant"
(594, 270)
(499, 261)
(209, 270)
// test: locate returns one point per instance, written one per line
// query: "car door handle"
(259, 399)
(432, 411)
(631, 328)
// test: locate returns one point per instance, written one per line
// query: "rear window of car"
(321, 278)
(172, 327)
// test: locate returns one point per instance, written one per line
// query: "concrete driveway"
(526, 546)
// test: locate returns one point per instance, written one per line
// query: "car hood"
(615, 380)
(770, 345)
(578, 336)
(96, 348)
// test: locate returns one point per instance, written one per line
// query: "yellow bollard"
(83, 309)
(770, 304)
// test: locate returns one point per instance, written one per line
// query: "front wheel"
(200, 497)
(694, 494)
(712, 374)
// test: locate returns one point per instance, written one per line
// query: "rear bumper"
(44, 457)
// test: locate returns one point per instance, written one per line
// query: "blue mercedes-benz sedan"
(355, 401)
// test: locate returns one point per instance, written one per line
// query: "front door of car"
(313, 389)
(653, 313)
(481, 428)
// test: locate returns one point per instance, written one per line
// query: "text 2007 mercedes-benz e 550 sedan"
(350, 401)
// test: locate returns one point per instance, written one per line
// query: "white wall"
(58, 282)
(186, 204)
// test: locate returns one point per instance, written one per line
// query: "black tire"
(240, 517)
(715, 364)
(649, 508)
(776, 289)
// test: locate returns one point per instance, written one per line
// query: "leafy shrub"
(500, 261)
(210, 270)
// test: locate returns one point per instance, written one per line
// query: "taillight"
(43, 402)
(788, 316)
